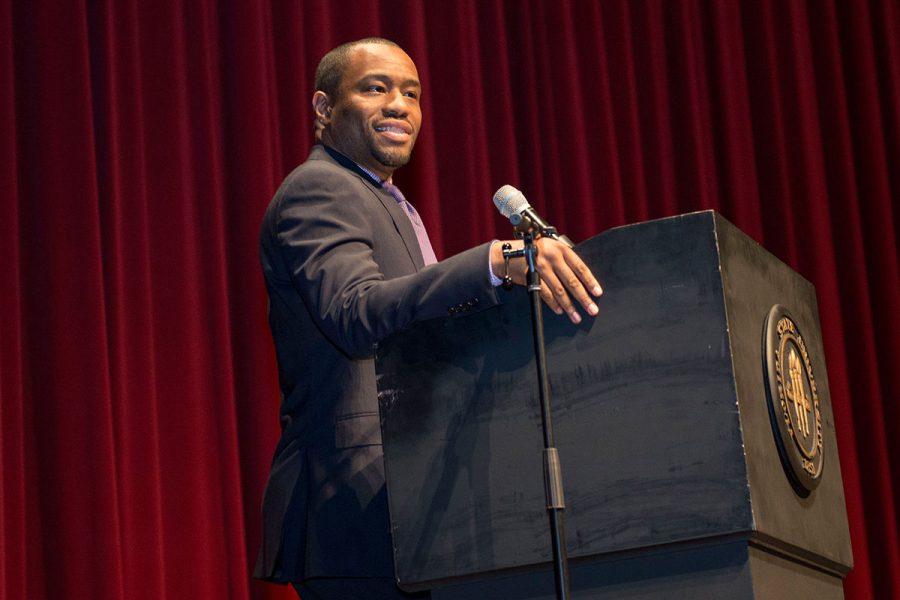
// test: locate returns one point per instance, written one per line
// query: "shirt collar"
(354, 166)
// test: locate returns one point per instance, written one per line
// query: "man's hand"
(564, 276)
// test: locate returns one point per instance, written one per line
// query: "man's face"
(376, 117)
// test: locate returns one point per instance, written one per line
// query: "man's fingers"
(581, 294)
(550, 300)
(558, 291)
(582, 284)
(584, 273)
(568, 277)
(565, 280)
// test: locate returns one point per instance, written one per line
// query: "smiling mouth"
(395, 133)
(392, 129)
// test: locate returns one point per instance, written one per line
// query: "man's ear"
(321, 104)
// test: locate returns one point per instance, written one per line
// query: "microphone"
(512, 204)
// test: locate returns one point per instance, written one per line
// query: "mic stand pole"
(553, 488)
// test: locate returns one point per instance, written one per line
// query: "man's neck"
(349, 163)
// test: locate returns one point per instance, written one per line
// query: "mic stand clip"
(523, 225)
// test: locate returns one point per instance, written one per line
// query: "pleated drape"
(141, 141)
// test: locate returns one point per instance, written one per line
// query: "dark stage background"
(141, 141)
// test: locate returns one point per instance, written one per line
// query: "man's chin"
(393, 160)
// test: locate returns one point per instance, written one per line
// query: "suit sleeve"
(325, 235)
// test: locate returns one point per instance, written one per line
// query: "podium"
(693, 421)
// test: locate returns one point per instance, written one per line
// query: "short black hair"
(332, 66)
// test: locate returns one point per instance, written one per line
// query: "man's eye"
(378, 89)
(413, 95)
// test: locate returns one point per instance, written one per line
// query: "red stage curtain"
(141, 141)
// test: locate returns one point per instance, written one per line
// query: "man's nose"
(395, 104)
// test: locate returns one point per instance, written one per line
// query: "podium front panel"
(645, 411)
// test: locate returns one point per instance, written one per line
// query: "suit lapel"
(401, 221)
(403, 225)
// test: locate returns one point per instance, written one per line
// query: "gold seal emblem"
(793, 401)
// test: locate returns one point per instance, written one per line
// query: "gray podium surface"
(672, 476)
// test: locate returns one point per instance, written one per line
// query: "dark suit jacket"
(343, 270)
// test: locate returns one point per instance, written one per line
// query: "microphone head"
(510, 201)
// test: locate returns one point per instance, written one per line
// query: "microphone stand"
(553, 488)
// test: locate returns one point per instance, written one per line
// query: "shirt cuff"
(495, 281)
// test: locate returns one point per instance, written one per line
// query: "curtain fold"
(141, 142)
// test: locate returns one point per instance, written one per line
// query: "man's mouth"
(397, 132)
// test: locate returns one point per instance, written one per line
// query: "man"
(345, 267)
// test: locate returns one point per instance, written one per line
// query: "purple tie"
(416, 220)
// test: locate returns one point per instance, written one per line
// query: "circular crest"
(793, 401)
